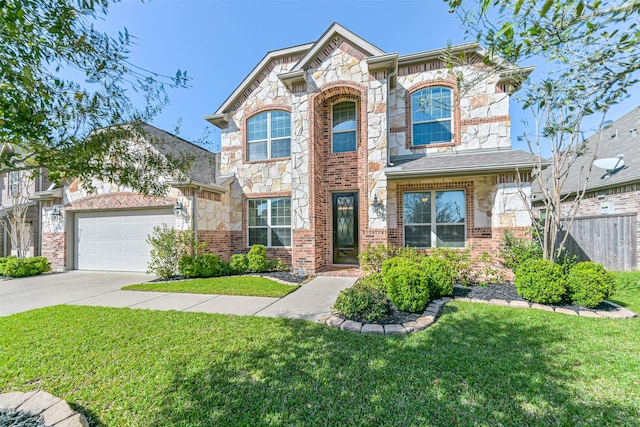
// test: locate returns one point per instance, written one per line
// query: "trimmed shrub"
(362, 301)
(589, 284)
(440, 276)
(238, 264)
(372, 257)
(459, 261)
(397, 261)
(167, 249)
(210, 265)
(188, 267)
(278, 265)
(375, 280)
(541, 281)
(13, 266)
(257, 258)
(407, 286)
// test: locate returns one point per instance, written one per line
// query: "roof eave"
(42, 196)
(397, 172)
(191, 184)
(437, 53)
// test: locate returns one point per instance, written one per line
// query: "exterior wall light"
(55, 213)
(180, 210)
(378, 207)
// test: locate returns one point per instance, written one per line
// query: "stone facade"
(306, 82)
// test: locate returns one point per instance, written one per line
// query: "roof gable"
(332, 39)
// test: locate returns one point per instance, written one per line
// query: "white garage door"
(116, 240)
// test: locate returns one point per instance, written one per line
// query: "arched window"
(269, 135)
(343, 129)
(431, 116)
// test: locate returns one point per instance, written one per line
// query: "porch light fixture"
(55, 213)
(378, 207)
(180, 210)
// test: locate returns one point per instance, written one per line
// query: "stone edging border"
(55, 411)
(431, 313)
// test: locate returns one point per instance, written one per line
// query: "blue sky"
(219, 43)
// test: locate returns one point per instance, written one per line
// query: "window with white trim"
(269, 135)
(269, 222)
(343, 131)
(431, 116)
(14, 183)
(434, 218)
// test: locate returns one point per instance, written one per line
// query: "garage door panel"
(116, 240)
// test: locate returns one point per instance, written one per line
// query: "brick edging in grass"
(432, 311)
(54, 411)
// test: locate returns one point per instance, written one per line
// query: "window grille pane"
(280, 237)
(257, 127)
(450, 235)
(280, 124)
(258, 236)
(281, 211)
(430, 133)
(281, 148)
(258, 150)
(258, 212)
(344, 141)
(450, 207)
(344, 116)
(417, 208)
(418, 236)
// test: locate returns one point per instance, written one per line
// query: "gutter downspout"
(37, 250)
(389, 78)
(194, 213)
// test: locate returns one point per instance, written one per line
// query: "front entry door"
(345, 228)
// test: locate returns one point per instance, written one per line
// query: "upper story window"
(431, 116)
(269, 135)
(343, 130)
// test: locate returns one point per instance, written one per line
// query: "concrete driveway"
(61, 288)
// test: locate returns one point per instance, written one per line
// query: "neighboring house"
(104, 226)
(336, 144)
(605, 229)
(17, 187)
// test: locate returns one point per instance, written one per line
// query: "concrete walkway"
(311, 302)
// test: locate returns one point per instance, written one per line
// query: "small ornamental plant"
(362, 301)
(589, 284)
(541, 281)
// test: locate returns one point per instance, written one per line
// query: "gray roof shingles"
(467, 162)
(622, 137)
(203, 162)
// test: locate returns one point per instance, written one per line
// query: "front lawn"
(478, 365)
(228, 285)
(627, 290)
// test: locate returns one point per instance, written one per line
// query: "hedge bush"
(238, 264)
(362, 301)
(589, 284)
(372, 257)
(440, 276)
(205, 265)
(257, 258)
(517, 250)
(541, 281)
(407, 286)
(375, 280)
(13, 266)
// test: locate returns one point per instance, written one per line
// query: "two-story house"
(336, 144)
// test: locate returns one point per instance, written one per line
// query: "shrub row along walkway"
(431, 313)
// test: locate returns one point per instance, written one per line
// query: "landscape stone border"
(55, 411)
(431, 313)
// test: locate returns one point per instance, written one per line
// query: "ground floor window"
(269, 222)
(434, 218)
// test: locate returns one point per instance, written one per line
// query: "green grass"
(627, 290)
(231, 285)
(478, 365)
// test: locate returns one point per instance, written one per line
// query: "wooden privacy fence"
(610, 240)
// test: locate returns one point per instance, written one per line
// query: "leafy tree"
(64, 99)
(591, 47)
